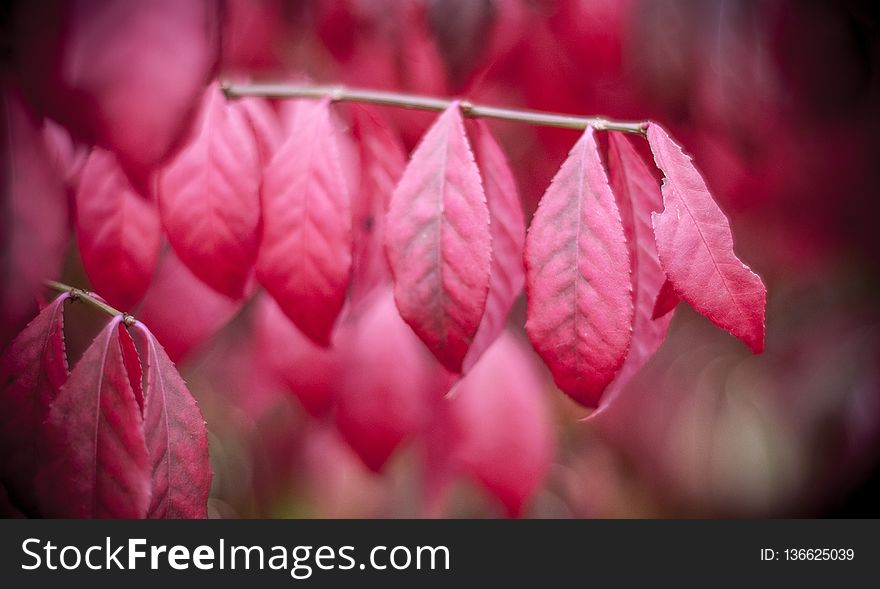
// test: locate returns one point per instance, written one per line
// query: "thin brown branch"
(430, 103)
(79, 294)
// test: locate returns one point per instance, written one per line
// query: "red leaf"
(638, 196)
(309, 371)
(266, 125)
(182, 311)
(696, 248)
(666, 301)
(67, 156)
(339, 485)
(305, 257)
(417, 65)
(33, 215)
(290, 114)
(578, 278)
(32, 370)
(496, 427)
(132, 361)
(508, 230)
(125, 75)
(176, 438)
(253, 34)
(386, 387)
(97, 464)
(209, 197)
(382, 162)
(438, 241)
(118, 231)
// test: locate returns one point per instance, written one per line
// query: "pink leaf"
(254, 33)
(118, 231)
(34, 230)
(182, 311)
(578, 278)
(666, 301)
(382, 159)
(387, 390)
(124, 75)
(508, 236)
(176, 437)
(309, 371)
(338, 483)
(266, 125)
(305, 257)
(638, 196)
(496, 427)
(438, 241)
(132, 361)
(67, 156)
(32, 370)
(696, 248)
(209, 197)
(97, 464)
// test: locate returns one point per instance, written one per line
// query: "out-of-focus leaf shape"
(33, 215)
(309, 371)
(119, 74)
(496, 427)
(182, 311)
(305, 256)
(209, 197)
(388, 386)
(118, 231)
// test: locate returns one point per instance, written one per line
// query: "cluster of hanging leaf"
(329, 222)
(366, 255)
(604, 262)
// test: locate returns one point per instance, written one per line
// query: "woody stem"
(87, 297)
(430, 103)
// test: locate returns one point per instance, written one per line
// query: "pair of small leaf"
(120, 436)
(604, 268)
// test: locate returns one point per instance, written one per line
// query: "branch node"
(337, 94)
